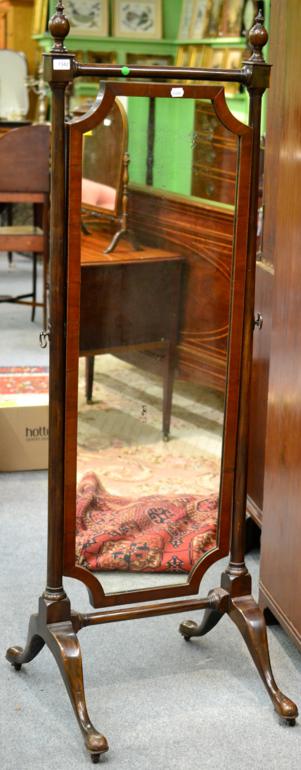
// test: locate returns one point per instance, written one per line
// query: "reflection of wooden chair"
(14, 101)
(24, 178)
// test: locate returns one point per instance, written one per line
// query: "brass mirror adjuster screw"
(258, 321)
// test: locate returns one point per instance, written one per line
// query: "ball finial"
(258, 37)
(59, 27)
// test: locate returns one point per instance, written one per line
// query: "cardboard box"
(23, 432)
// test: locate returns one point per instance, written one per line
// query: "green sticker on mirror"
(125, 71)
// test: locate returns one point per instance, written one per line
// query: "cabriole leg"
(17, 655)
(211, 617)
(63, 643)
(250, 621)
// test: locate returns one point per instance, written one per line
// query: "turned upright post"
(258, 73)
(57, 71)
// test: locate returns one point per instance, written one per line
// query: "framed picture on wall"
(231, 18)
(40, 13)
(89, 18)
(137, 19)
(214, 17)
(183, 58)
(201, 57)
(186, 19)
(149, 60)
(248, 17)
(233, 61)
(218, 58)
(234, 58)
(200, 19)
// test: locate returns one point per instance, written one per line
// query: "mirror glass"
(154, 316)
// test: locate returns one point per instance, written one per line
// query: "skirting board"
(266, 601)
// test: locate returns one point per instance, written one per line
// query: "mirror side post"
(236, 578)
(58, 72)
(243, 610)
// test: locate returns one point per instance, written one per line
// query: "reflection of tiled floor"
(119, 435)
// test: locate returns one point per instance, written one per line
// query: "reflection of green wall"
(174, 120)
(138, 119)
(173, 145)
(170, 140)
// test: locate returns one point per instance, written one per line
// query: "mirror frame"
(76, 128)
(100, 211)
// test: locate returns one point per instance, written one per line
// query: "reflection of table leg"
(169, 374)
(34, 286)
(168, 381)
(10, 222)
(89, 377)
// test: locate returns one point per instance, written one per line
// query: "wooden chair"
(24, 178)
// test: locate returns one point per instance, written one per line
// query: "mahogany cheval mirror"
(162, 305)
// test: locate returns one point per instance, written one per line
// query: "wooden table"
(130, 299)
(8, 125)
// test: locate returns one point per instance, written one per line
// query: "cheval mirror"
(147, 481)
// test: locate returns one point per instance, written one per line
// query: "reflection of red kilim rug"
(154, 533)
(155, 509)
(122, 443)
(23, 379)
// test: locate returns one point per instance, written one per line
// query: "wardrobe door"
(265, 267)
(280, 574)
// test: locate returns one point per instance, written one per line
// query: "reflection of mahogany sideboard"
(214, 157)
(202, 233)
(130, 300)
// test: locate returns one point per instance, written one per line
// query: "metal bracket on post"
(258, 321)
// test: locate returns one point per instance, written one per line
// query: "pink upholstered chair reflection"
(97, 194)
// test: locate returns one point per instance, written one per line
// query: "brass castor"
(290, 722)
(95, 758)
(186, 629)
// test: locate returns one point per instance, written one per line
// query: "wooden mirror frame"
(56, 624)
(76, 129)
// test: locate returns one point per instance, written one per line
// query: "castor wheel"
(95, 758)
(186, 629)
(287, 722)
(17, 666)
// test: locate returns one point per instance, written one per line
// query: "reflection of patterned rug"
(120, 438)
(23, 379)
(153, 533)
